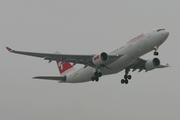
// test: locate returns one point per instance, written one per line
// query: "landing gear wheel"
(125, 76)
(97, 79)
(156, 53)
(92, 78)
(122, 81)
(99, 74)
(96, 74)
(129, 77)
(126, 81)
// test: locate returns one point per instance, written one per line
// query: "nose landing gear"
(155, 52)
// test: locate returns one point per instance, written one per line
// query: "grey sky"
(86, 27)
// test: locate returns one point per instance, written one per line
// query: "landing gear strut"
(96, 76)
(155, 52)
(126, 77)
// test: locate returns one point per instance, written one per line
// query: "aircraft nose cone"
(166, 33)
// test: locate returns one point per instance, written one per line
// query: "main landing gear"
(126, 77)
(96, 76)
(155, 52)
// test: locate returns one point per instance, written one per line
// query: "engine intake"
(100, 59)
(152, 64)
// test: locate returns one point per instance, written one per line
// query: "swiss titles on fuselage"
(136, 38)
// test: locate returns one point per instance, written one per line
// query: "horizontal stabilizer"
(58, 78)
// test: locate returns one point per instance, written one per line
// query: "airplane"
(95, 66)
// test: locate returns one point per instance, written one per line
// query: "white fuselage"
(132, 50)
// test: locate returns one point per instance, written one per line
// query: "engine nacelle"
(152, 64)
(100, 59)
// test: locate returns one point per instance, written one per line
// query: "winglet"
(167, 64)
(9, 49)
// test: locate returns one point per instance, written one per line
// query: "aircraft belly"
(83, 75)
(118, 65)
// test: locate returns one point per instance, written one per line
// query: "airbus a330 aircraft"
(124, 58)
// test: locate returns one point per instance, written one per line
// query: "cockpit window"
(160, 30)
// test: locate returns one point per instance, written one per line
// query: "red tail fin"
(63, 67)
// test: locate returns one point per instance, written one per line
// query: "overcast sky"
(86, 27)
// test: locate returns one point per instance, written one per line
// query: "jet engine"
(152, 64)
(100, 59)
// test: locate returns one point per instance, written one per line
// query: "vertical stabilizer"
(64, 67)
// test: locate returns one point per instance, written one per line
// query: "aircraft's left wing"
(75, 59)
(140, 65)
